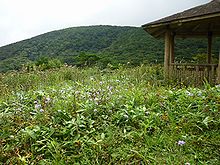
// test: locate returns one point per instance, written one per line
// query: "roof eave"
(152, 25)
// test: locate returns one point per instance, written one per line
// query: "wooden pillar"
(172, 48)
(167, 54)
(218, 69)
(209, 59)
(171, 67)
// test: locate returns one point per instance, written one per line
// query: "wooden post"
(209, 60)
(218, 69)
(172, 44)
(171, 67)
(167, 54)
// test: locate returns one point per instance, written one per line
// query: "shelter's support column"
(167, 53)
(209, 59)
(172, 48)
(218, 69)
(171, 67)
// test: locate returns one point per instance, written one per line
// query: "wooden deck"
(195, 74)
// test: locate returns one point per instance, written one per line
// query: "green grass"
(123, 116)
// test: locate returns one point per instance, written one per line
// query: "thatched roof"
(200, 18)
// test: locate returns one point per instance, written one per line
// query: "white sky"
(22, 19)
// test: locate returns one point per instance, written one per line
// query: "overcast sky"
(22, 19)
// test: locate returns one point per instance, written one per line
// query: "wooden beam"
(167, 53)
(209, 59)
(196, 27)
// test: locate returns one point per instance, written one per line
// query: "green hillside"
(102, 44)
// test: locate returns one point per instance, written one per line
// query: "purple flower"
(47, 100)
(37, 106)
(41, 110)
(110, 88)
(181, 142)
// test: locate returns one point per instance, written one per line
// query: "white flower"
(217, 86)
(189, 93)
(77, 92)
(171, 92)
(125, 116)
(147, 113)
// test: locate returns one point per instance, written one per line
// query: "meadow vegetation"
(73, 115)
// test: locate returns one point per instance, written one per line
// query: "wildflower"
(199, 93)
(187, 163)
(171, 92)
(96, 99)
(35, 102)
(47, 100)
(41, 110)
(33, 113)
(37, 106)
(19, 109)
(125, 116)
(110, 88)
(147, 113)
(118, 81)
(95, 110)
(100, 82)
(181, 142)
(59, 111)
(77, 92)
(217, 86)
(97, 93)
(11, 136)
(189, 93)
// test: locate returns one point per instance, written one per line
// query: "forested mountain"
(97, 44)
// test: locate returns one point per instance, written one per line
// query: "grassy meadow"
(92, 116)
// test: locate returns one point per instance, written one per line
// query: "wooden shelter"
(200, 21)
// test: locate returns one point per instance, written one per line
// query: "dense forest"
(99, 45)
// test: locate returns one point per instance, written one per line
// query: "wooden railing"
(193, 73)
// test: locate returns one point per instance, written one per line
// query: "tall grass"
(92, 116)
